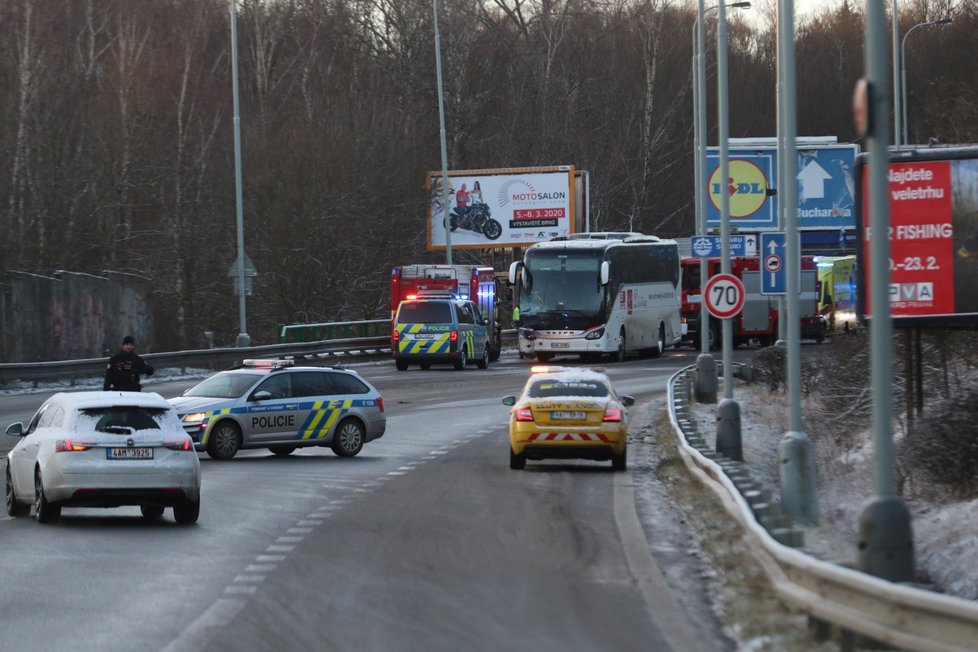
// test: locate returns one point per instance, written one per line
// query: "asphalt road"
(425, 541)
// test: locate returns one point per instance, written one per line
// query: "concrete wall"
(72, 315)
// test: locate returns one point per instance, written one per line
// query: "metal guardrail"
(289, 333)
(894, 614)
(200, 358)
(333, 351)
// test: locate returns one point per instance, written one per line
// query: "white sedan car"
(103, 449)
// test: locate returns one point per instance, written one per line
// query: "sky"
(803, 9)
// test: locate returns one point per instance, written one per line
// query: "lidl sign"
(825, 187)
(746, 185)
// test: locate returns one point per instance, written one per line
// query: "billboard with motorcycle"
(509, 207)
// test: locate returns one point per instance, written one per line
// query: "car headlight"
(527, 333)
(596, 334)
(194, 418)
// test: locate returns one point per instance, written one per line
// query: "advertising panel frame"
(826, 190)
(933, 244)
(530, 204)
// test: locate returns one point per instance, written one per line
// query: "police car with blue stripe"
(430, 330)
(272, 404)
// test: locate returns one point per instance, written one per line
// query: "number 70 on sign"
(724, 296)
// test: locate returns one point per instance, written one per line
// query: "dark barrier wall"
(71, 315)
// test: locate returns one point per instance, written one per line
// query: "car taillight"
(178, 444)
(524, 414)
(380, 403)
(395, 336)
(453, 336)
(612, 414)
(69, 445)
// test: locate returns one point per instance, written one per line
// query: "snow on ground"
(945, 542)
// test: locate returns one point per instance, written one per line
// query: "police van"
(439, 329)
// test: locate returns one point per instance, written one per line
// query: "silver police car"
(272, 404)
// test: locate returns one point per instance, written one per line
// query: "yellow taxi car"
(568, 413)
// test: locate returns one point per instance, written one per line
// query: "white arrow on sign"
(813, 178)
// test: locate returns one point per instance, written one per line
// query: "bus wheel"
(660, 345)
(620, 353)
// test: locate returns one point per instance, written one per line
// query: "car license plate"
(129, 453)
(566, 416)
(424, 336)
(560, 345)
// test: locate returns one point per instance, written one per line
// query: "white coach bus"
(597, 294)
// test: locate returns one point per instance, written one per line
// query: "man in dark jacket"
(124, 368)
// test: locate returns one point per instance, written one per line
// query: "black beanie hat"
(128, 340)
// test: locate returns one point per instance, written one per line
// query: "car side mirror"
(261, 396)
(16, 429)
(509, 400)
(628, 401)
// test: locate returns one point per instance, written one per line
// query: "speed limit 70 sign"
(724, 295)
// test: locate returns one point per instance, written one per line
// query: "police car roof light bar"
(266, 364)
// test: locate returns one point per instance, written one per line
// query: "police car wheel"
(225, 440)
(483, 362)
(401, 365)
(348, 438)
(463, 359)
(282, 451)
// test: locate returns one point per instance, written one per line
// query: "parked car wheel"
(151, 511)
(45, 512)
(187, 512)
(15, 508)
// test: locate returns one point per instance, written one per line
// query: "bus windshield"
(562, 282)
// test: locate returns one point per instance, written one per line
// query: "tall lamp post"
(243, 339)
(896, 72)
(441, 134)
(903, 68)
(699, 135)
(706, 389)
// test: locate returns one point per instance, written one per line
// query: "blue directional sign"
(825, 187)
(708, 246)
(774, 279)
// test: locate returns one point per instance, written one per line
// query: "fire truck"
(476, 283)
(759, 318)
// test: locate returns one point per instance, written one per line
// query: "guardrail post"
(799, 492)
(729, 441)
(706, 378)
(886, 540)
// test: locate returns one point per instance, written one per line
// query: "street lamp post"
(896, 73)
(243, 338)
(444, 146)
(706, 389)
(903, 68)
(699, 134)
